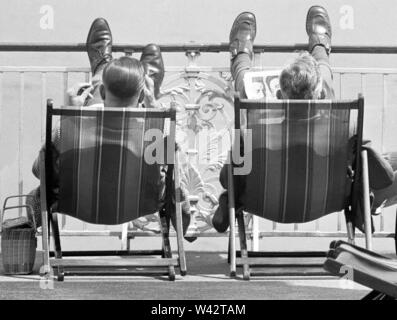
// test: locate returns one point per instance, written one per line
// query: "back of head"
(301, 79)
(124, 78)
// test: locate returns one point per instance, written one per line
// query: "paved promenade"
(208, 279)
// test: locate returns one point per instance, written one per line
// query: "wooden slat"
(285, 254)
(106, 253)
(99, 262)
(252, 104)
(291, 272)
(282, 262)
(114, 272)
(268, 234)
(95, 111)
(372, 281)
(299, 234)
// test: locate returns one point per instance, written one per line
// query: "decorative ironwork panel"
(204, 102)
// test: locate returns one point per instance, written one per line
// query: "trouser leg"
(240, 64)
(320, 54)
(96, 82)
(388, 195)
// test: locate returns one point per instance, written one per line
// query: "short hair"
(301, 79)
(124, 77)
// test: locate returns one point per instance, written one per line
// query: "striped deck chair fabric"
(301, 152)
(104, 178)
(110, 172)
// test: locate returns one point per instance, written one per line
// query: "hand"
(79, 93)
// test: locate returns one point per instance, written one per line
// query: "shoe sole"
(325, 14)
(237, 20)
(92, 26)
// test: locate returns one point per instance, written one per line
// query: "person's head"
(123, 82)
(301, 79)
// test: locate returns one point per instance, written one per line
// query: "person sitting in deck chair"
(308, 77)
(123, 82)
(99, 49)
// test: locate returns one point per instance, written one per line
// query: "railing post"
(192, 56)
(257, 59)
(21, 128)
(125, 241)
(1, 133)
(128, 53)
(255, 234)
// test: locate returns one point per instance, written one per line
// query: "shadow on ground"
(207, 279)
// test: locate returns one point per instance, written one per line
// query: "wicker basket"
(18, 245)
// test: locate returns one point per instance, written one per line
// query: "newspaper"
(262, 84)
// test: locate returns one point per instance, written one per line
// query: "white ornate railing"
(203, 95)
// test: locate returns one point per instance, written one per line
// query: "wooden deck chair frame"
(54, 263)
(288, 259)
(364, 267)
(395, 235)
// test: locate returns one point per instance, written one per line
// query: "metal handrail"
(202, 47)
(80, 69)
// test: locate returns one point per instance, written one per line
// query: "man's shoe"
(186, 217)
(99, 44)
(318, 28)
(242, 34)
(220, 220)
(152, 61)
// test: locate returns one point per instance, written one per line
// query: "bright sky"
(355, 21)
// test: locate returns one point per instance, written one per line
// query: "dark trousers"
(96, 82)
(388, 196)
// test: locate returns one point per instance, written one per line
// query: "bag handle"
(27, 206)
(14, 197)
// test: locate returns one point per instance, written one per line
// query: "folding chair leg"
(243, 244)
(366, 202)
(232, 240)
(167, 253)
(232, 219)
(125, 241)
(179, 235)
(163, 250)
(179, 227)
(45, 270)
(57, 240)
(228, 250)
(59, 272)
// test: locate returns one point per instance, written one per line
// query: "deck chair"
(105, 179)
(364, 267)
(303, 168)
